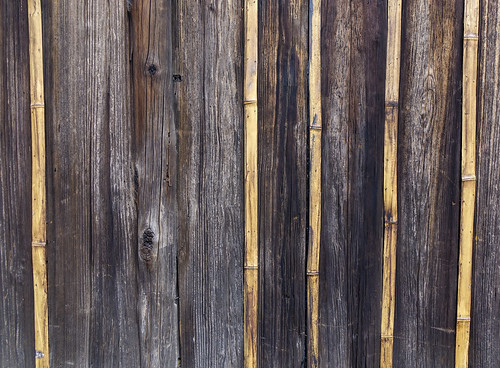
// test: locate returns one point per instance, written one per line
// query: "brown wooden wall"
(145, 172)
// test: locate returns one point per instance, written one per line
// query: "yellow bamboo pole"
(471, 29)
(315, 126)
(390, 180)
(251, 262)
(38, 185)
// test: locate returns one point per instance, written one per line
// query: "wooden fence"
(256, 183)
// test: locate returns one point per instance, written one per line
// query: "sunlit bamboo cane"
(315, 126)
(390, 180)
(38, 184)
(251, 262)
(471, 27)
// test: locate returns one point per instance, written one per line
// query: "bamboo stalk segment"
(314, 183)
(251, 262)
(390, 181)
(38, 185)
(471, 29)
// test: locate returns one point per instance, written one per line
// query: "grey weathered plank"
(485, 329)
(282, 160)
(209, 112)
(16, 280)
(156, 166)
(428, 184)
(92, 236)
(353, 60)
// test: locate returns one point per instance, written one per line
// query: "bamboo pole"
(471, 29)
(390, 180)
(251, 262)
(38, 185)
(314, 182)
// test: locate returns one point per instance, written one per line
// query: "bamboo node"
(251, 267)
(471, 36)
(312, 273)
(463, 319)
(249, 102)
(469, 178)
(38, 244)
(316, 127)
(38, 105)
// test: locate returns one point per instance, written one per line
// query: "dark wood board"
(353, 64)
(428, 183)
(17, 347)
(282, 168)
(485, 323)
(92, 233)
(208, 53)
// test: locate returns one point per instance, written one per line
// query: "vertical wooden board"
(429, 183)
(155, 165)
(282, 162)
(353, 54)
(485, 328)
(17, 347)
(209, 111)
(92, 228)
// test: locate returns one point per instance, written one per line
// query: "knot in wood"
(146, 249)
(152, 69)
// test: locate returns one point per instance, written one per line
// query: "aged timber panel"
(156, 159)
(429, 183)
(353, 60)
(283, 116)
(485, 330)
(17, 347)
(209, 111)
(92, 239)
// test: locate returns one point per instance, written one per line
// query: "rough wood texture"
(156, 175)
(92, 239)
(485, 329)
(17, 347)
(353, 54)
(283, 117)
(429, 183)
(208, 62)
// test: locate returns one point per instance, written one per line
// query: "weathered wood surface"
(155, 180)
(429, 184)
(208, 64)
(485, 324)
(353, 64)
(92, 235)
(283, 121)
(17, 347)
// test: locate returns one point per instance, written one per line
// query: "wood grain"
(486, 273)
(429, 184)
(92, 237)
(208, 49)
(17, 348)
(353, 49)
(156, 181)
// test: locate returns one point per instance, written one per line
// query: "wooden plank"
(92, 239)
(283, 117)
(156, 175)
(429, 184)
(16, 278)
(208, 49)
(353, 47)
(485, 328)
